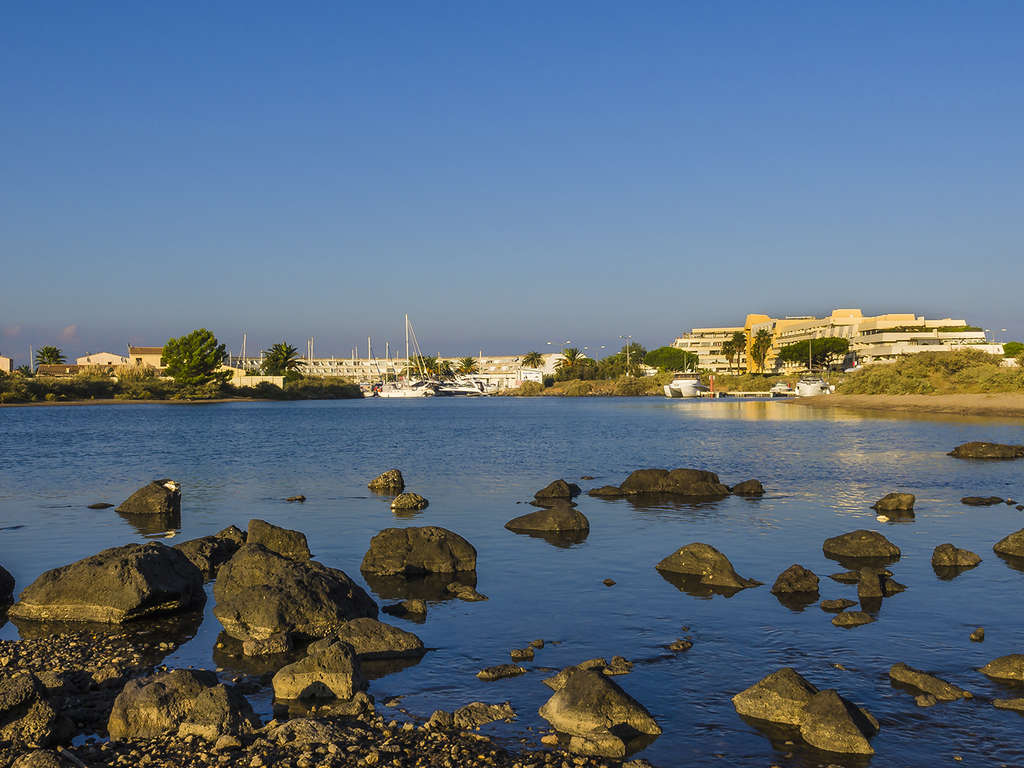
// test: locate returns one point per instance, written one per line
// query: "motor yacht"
(685, 385)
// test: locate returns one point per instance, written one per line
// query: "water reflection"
(432, 586)
(786, 740)
(1017, 563)
(560, 539)
(153, 526)
(797, 601)
(691, 585)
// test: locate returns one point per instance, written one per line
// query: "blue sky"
(508, 174)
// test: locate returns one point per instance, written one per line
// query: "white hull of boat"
(685, 388)
(812, 388)
(405, 391)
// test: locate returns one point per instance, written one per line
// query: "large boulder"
(261, 595)
(409, 502)
(372, 639)
(6, 587)
(283, 541)
(748, 488)
(950, 556)
(555, 519)
(559, 489)
(181, 702)
(796, 579)
(860, 545)
(390, 481)
(833, 724)
(695, 483)
(413, 551)
(600, 717)
(982, 450)
(160, 497)
(209, 553)
(922, 682)
(1012, 545)
(895, 502)
(330, 670)
(707, 564)
(114, 586)
(1009, 668)
(27, 718)
(778, 698)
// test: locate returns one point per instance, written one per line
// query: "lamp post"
(628, 339)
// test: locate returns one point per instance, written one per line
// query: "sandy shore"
(1002, 405)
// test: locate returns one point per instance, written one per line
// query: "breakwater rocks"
(982, 450)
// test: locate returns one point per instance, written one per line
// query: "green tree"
(532, 360)
(759, 349)
(49, 355)
(281, 359)
(739, 346)
(672, 359)
(1012, 348)
(729, 351)
(823, 352)
(570, 356)
(193, 360)
(467, 365)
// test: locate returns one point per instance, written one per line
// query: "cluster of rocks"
(686, 483)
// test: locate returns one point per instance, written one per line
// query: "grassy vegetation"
(963, 372)
(146, 385)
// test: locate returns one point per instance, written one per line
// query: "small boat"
(782, 389)
(459, 388)
(809, 386)
(685, 385)
(406, 389)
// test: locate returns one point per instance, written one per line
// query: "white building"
(102, 358)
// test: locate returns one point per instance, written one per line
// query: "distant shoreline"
(114, 401)
(1000, 404)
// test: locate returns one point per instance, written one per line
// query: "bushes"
(964, 371)
(529, 389)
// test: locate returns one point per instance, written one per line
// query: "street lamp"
(628, 340)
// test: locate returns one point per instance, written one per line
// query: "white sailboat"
(408, 387)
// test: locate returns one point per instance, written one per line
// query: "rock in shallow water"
(500, 671)
(1012, 545)
(114, 586)
(330, 670)
(374, 639)
(694, 483)
(748, 488)
(1009, 668)
(860, 545)
(796, 578)
(554, 519)
(160, 497)
(852, 619)
(409, 501)
(778, 698)
(559, 489)
(983, 450)
(209, 553)
(707, 564)
(389, 481)
(6, 587)
(926, 683)
(281, 541)
(981, 501)
(833, 724)
(950, 556)
(895, 502)
(413, 551)
(27, 718)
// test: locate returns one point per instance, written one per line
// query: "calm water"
(477, 459)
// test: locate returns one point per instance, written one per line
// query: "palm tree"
(739, 343)
(280, 359)
(532, 360)
(729, 351)
(570, 356)
(49, 355)
(467, 365)
(759, 349)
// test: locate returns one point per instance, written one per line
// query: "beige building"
(6, 364)
(707, 343)
(148, 356)
(102, 358)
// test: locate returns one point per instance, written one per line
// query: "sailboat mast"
(407, 344)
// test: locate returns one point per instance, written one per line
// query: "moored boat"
(685, 385)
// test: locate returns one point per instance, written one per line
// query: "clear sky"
(507, 173)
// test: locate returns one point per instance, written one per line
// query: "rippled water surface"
(476, 460)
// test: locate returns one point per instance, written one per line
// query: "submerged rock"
(114, 586)
(1010, 668)
(389, 481)
(209, 553)
(895, 502)
(600, 717)
(559, 489)
(465, 592)
(925, 683)
(852, 619)
(836, 606)
(330, 670)
(748, 488)
(982, 450)
(409, 501)
(261, 595)
(180, 702)
(100, 505)
(500, 671)
(160, 497)
(412, 551)
(710, 566)
(282, 541)
(372, 639)
(860, 545)
(981, 501)
(695, 483)
(554, 519)
(607, 492)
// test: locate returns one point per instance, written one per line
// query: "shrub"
(529, 389)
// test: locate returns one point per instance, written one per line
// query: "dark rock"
(39, 758)
(300, 498)
(925, 683)
(390, 481)
(465, 592)
(440, 719)
(330, 670)
(695, 483)
(500, 671)
(978, 635)
(870, 585)
(429, 586)
(982, 450)
(100, 505)
(833, 724)
(607, 492)
(1009, 668)
(6, 587)
(925, 700)
(282, 541)
(180, 702)
(981, 501)
(374, 639)
(27, 718)
(557, 681)
(861, 546)
(522, 654)
(778, 698)
(414, 610)
(411, 551)
(680, 645)
(559, 489)
(598, 715)
(160, 497)
(586, 477)
(209, 553)
(558, 518)
(852, 619)
(608, 582)
(748, 488)
(409, 501)
(1012, 545)
(710, 566)
(305, 730)
(846, 577)
(618, 666)
(1019, 507)
(114, 586)
(949, 556)
(836, 606)
(796, 578)
(538, 643)
(895, 502)
(477, 713)
(261, 594)
(1015, 704)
